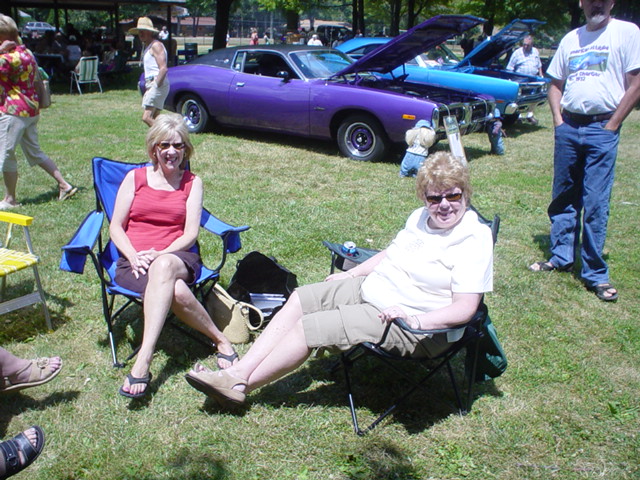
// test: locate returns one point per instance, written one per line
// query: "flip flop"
(601, 292)
(548, 267)
(67, 194)
(132, 381)
(20, 443)
(228, 358)
(40, 373)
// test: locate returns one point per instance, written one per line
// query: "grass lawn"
(566, 408)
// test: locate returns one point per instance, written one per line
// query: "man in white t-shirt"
(595, 84)
(526, 60)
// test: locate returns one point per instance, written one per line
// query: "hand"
(7, 46)
(390, 314)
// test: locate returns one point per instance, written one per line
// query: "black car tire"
(194, 113)
(510, 120)
(362, 138)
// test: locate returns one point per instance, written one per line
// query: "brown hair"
(442, 171)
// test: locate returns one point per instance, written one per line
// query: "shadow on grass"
(375, 387)
(186, 464)
(16, 403)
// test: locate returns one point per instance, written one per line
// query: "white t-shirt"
(151, 68)
(424, 266)
(594, 65)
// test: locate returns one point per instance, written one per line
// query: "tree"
(223, 12)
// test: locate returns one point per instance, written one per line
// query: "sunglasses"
(450, 197)
(168, 145)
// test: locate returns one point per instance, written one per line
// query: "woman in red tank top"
(155, 225)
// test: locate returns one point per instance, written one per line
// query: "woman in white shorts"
(432, 275)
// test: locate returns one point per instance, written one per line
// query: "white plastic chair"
(85, 72)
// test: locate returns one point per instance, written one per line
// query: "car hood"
(415, 41)
(499, 43)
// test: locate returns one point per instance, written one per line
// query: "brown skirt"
(126, 279)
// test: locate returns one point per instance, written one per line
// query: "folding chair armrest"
(230, 234)
(74, 253)
(15, 218)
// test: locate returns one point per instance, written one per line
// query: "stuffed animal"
(419, 139)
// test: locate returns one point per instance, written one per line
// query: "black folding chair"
(474, 331)
(88, 242)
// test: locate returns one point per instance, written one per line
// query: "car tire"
(194, 113)
(361, 137)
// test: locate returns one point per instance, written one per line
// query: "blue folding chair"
(88, 242)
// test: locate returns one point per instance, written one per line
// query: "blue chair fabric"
(88, 242)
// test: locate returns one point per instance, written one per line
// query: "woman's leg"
(163, 274)
(190, 311)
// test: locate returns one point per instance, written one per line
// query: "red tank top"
(157, 217)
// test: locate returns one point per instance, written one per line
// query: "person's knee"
(164, 267)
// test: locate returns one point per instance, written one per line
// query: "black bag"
(492, 361)
(257, 274)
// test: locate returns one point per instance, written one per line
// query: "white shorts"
(21, 131)
(155, 96)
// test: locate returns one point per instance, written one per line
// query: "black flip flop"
(228, 358)
(20, 443)
(601, 292)
(133, 380)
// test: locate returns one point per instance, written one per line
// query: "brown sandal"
(41, 373)
(217, 385)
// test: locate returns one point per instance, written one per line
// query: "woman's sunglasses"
(437, 199)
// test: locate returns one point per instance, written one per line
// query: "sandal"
(217, 385)
(10, 450)
(67, 193)
(132, 381)
(603, 292)
(40, 373)
(228, 358)
(548, 267)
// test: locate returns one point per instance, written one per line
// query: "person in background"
(419, 138)
(595, 84)
(164, 33)
(526, 60)
(315, 41)
(432, 275)
(154, 60)
(19, 115)
(253, 38)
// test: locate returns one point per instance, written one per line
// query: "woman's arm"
(158, 52)
(362, 270)
(461, 310)
(120, 217)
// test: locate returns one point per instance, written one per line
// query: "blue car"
(432, 62)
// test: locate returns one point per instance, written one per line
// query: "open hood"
(415, 41)
(499, 43)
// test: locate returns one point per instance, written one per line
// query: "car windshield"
(440, 55)
(320, 63)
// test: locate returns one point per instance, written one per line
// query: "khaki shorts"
(336, 318)
(21, 131)
(155, 96)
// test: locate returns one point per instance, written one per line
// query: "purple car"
(317, 92)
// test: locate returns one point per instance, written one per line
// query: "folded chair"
(88, 242)
(474, 331)
(86, 72)
(12, 261)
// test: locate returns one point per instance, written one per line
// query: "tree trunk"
(293, 19)
(395, 17)
(411, 14)
(223, 11)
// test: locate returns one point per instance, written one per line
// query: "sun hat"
(144, 23)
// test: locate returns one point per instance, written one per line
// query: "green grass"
(566, 408)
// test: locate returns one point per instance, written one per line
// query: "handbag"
(235, 319)
(42, 89)
(492, 360)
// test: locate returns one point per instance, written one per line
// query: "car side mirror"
(284, 75)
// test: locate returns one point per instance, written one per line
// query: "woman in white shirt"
(432, 275)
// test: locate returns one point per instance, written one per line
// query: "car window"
(266, 64)
(320, 63)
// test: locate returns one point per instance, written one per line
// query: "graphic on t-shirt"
(596, 61)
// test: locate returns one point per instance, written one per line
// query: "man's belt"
(583, 119)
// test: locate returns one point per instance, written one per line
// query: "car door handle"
(240, 84)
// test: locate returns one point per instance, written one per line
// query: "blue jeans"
(584, 162)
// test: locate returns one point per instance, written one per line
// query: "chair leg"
(43, 300)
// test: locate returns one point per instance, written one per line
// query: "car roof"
(413, 42)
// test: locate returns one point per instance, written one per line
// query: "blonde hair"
(426, 136)
(164, 126)
(442, 171)
(9, 29)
